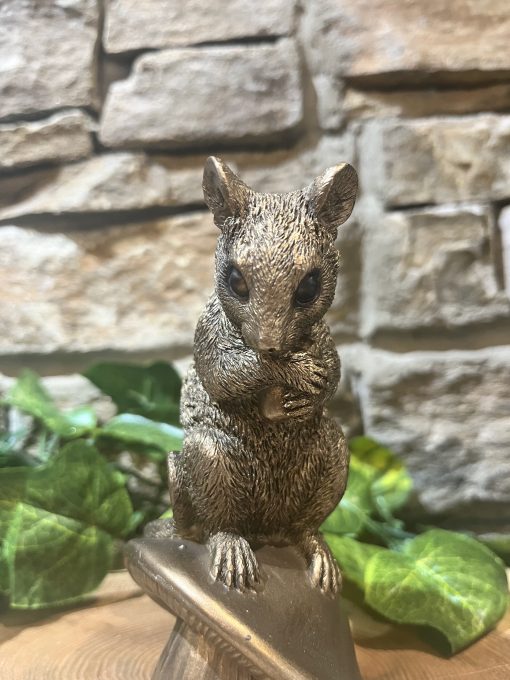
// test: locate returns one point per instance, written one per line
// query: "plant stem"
(393, 537)
(136, 473)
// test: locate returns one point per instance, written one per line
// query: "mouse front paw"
(232, 561)
(299, 405)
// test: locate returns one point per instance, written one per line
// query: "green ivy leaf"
(498, 543)
(52, 559)
(12, 488)
(352, 556)
(151, 391)
(133, 429)
(57, 526)
(83, 417)
(79, 483)
(29, 395)
(392, 483)
(441, 579)
(356, 506)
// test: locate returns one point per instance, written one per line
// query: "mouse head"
(276, 261)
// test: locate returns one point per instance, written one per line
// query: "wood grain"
(401, 655)
(120, 633)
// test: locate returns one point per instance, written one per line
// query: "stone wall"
(107, 112)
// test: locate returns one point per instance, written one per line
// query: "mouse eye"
(309, 288)
(237, 284)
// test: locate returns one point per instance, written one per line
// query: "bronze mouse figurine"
(261, 461)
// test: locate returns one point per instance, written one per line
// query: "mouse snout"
(268, 344)
(263, 340)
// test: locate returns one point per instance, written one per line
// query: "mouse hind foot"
(233, 561)
(323, 569)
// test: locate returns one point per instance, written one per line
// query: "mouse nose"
(263, 341)
(266, 341)
(268, 345)
(269, 350)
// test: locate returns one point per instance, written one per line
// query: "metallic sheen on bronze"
(288, 632)
(262, 463)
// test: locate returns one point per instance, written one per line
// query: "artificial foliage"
(68, 499)
(442, 579)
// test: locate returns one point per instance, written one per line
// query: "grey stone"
(344, 406)
(430, 268)
(326, 53)
(63, 136)
(110, 182)
(364, 104)
(504, 238)
(136, 287)
(124, 181)
(382, 42)
(127, 181)
(438, 160)
(343, 317)
(47, 54)
(287, 170)
(135, 24)
(202, 96)
(447, 414)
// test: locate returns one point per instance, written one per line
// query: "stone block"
(47, 53)
(201, 96)
(504, 240)
(344, 406)
(438, 160)
(61, 137)
(343, 317)
(138, 24)
(430, 268)
(122, 181)
(447, 415)
(137, 287)
(382, 42)
(366, 104)
(287, 170)
(107, 183)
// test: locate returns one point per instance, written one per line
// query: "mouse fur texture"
(261, 461)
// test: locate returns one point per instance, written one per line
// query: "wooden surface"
(120, 633)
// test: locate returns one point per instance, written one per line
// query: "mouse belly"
(277, 471)
(266, 471)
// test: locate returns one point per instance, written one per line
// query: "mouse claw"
(232, 561)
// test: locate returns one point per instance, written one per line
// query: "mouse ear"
(224, 193)
(332, 195)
